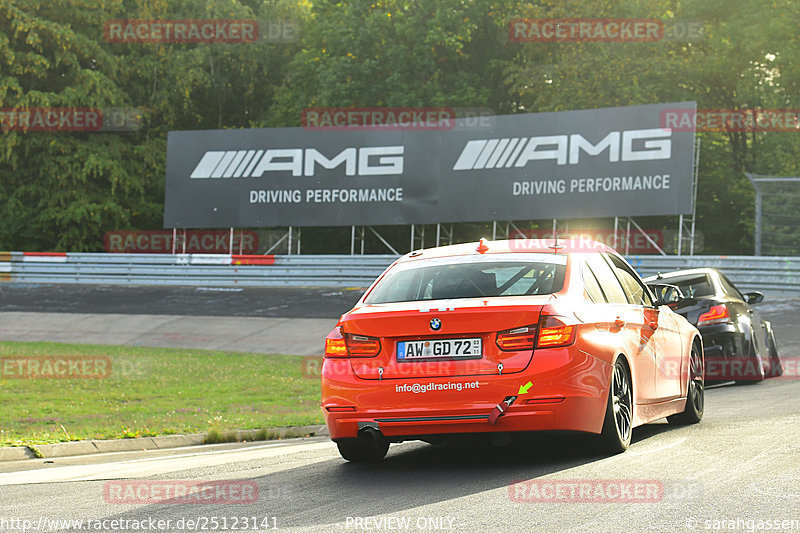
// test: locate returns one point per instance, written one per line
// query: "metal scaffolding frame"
(286, 236)
(756, 180)
(363, 237)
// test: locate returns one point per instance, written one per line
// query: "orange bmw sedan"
(502, 337)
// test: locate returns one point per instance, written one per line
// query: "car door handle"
(619, 322)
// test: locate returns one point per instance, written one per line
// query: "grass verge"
(152, 391)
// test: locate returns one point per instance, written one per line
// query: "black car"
(738, 343)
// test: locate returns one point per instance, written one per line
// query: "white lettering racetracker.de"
(400, 523)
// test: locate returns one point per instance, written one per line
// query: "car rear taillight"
(718, 314)
(362, 346)
(335, 345)
(516, 339)
(554, 332)
(339, 344)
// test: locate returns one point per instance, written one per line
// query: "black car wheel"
(695, 395)
(618, 423)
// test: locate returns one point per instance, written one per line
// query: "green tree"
(62, 191)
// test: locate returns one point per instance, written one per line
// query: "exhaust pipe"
(370, 435)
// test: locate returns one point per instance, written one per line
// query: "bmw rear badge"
(436, 324)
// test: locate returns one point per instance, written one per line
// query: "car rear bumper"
(567, 392)
(722, 340)
(728, 355)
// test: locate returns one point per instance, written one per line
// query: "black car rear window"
(468, 280)
(693, 287)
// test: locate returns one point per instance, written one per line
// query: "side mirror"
(666, 294)
(754, 297)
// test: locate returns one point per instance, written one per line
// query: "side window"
(608, 281)
(730, 288)
(593, 289)
(636, 292)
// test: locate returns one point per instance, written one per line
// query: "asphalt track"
(738, 470)
(189, 301)
(290, 321)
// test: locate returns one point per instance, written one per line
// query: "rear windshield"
(692, 287)
(461, 279)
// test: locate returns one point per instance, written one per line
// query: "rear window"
(437, 280)
(692, 287)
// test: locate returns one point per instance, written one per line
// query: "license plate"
(440, 349)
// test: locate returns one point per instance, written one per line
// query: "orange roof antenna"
(483, 247)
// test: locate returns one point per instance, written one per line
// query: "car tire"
(618, 422)
(755, 358)
(775, 365)
(359, 451)
(695, 394)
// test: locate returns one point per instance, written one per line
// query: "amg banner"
(570, 164)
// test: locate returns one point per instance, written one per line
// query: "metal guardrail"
(193, 269)
(767, 274)
(772, 275)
